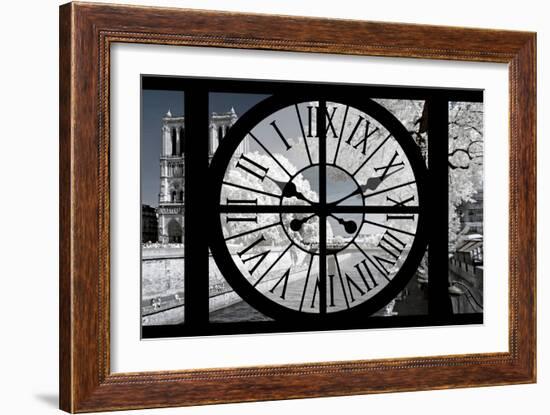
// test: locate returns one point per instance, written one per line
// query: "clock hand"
(355, 192)
(374, 182)
(349, 225)
(289, 190)
(296, 224)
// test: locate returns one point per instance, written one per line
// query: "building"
(219, 124)
(471, 214)
(149, 224)
(469, 245)
(172, 171)
(171, 197)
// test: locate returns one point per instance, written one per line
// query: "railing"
(470, 296)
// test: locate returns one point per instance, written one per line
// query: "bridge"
(163, 286)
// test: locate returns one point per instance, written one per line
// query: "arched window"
(220, 134)
(182, 137)
(175, 232)
(173, 196)
(181, 196)
(174, 142)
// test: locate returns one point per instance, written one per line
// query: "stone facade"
(219, 124)
(149, 224)
(172, 170)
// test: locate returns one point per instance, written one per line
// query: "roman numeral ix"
(311, 110)
(368, 133)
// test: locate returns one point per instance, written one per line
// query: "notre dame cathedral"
(171, 196)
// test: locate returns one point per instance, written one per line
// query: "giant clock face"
(318, 207)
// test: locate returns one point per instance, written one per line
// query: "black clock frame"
(221, 160)
(197, 208)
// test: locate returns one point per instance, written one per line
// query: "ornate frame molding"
(86, 33)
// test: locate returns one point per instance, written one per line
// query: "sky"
(155, 105)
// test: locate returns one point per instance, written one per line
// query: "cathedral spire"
(169, 113)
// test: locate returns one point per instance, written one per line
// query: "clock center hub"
(342, 225)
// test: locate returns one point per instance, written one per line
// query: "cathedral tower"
(172, 171)
(171, 196)
(219, 124)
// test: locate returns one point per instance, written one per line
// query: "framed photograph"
(253, 208)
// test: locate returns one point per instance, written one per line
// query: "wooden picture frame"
(86, 33)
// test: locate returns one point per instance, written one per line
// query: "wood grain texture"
(86, 33)
(65, 248)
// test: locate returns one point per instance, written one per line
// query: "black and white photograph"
(275, 207)
(308, 206)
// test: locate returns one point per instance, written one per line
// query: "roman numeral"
(355, 128)
(368, 133)
(330, 125)
(400, 217)
(400, 203)
(391, 164)
(331, 291)
(315, 291)
(310, 132)
(354, 288)
(241, 201)
(305, 283)
(258, 258)
(280, 134)
(272, 265)
(283, 279)
(372, 154)
(341, 133)
(250, 166)
(381, 261)
(373, 282)
(393, 246)
(377, 263)
(303, 133)
(241, 218)
(352, 284)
